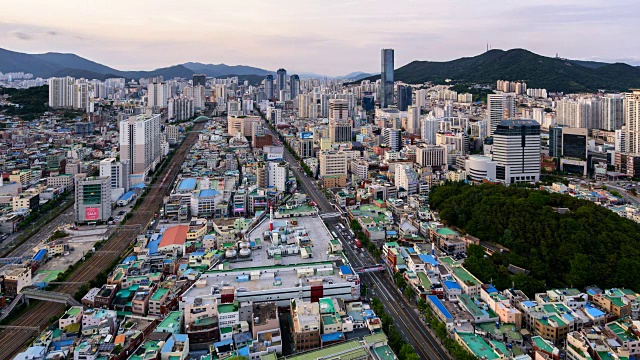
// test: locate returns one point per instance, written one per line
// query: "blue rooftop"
(336, 336)
(138, 185)
(594, 312)
(452, 285)
(438, 304)
(207, 192)
(153, 245)
(39, 256)
(529, 303)
(187, 184)
(491, 289)
(429, 259)
(129, 259)
(127, 196)
(346, 270)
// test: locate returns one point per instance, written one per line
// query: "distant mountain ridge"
(61, 64)
(553, 74)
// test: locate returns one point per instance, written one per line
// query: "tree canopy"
(588, 245)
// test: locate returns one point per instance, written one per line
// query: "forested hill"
(553, 74)
(589, 245)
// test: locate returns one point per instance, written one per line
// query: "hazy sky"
(332, 37)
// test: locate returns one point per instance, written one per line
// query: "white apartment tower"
(197, 93)
(140, 142)
(632, 121)
(60, 92)
(500, 107)
(413, 120)
(157, 94)
(612, 112)
(407, 178)
(333, 163)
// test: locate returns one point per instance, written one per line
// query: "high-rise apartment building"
(612, 112)
(392, 138)
(118, 171)
(294, 85)
(500, 107)
(632, 121)
(140, 142)
(61, 92)
(93, 198)
(197, 94)
(516, 151)
(413, 120)
(429, 129)
(180, 108)
(157, 95)
(386, 78)
(199, 79)
(406, 178)
(268, 86)
(277, 175)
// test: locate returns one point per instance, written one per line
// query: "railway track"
(13, 341)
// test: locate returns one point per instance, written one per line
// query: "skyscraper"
(157, 94)
(632, 120)
(612, 112)
(60, 92)
(386, 78)
(404, 97)
(281, 78)
(199, 79)
(516, 151)
(295, 86)
(268, 86)
(500, 107)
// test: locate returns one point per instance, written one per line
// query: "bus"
(334, 234)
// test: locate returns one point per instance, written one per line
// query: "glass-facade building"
(386, 78)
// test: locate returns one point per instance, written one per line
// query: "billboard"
(306, 135)
(92, 214)
(274, 156)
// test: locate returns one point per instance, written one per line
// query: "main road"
(405, 317)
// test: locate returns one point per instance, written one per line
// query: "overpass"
(49, 296)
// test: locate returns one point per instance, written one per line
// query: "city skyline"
(172, 33)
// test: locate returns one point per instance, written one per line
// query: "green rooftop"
(159, 294)
(542, 344)
(227, 308)
(465, 276)
(446, 231)
(478, 346)
(351, 350)
(173, 320)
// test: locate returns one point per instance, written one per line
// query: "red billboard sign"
(92, 213)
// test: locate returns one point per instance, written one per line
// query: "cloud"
(21, 35)
(52, 33)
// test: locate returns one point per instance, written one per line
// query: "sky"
(330, 37)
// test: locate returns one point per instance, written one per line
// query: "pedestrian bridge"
(50, 296)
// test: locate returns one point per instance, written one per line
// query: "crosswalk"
(330, 215)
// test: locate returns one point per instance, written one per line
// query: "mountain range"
(553, 74)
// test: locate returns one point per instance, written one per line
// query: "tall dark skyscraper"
(281, 77)
(404, 97)
(386, 77)
(199, 79)
(268, 86)
(294, 83)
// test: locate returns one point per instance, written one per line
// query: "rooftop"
(175, 235)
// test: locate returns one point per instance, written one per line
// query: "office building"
(338, 110)
(268, 86)
(392, 138)
(305, 149)
(516, 151)
(404, 97)
(333, 163)
(500, 107)
(140, 142)
(294, 85)
(386, 78)
(340, 132)
(281, 79)
(431, 156)
(612, 112)
(93, 198)
(574, 150)
(157, 95)
(555, 141)
(632, 121)
(199, 79)
(277, 175)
